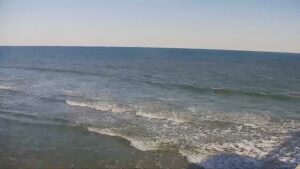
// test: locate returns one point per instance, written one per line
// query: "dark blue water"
(200, 104)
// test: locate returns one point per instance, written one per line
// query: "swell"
(32, 119)
(35, 120)
(8, 88)
(75, 72)
(24, 93)
(225, 91)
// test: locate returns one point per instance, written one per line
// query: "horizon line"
(149, 47)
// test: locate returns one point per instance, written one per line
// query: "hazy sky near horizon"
(263, 25)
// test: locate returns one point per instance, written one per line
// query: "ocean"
(111, 107)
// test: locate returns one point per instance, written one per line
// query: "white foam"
(159, 116)
(254, 149)
(117, 108)
(209, 133)
(288, 153)
(6, 88)
(109, 106)
(138, 144)
(80, 104)
(205, 154)
(192, 157)
(101, 106)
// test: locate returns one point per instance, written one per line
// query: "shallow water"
(148, 108)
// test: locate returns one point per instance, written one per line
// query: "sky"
(258, 25)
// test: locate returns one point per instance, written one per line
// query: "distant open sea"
(109, 107)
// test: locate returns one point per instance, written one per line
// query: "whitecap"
(192, 157)
(101, 106)
(138, 144)
(158, 115)
(255, 149)
(2, 87)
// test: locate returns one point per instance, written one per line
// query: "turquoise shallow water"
(148, 108)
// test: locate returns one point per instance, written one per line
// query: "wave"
(33, 119)
(204, 137)
(2, 87)
(104, 106)
(17, 114)
(24, 93)
(245, 154)
(138, 144)
(158, 115)
(192, 157)
(226, 91)
(255, 149)
(244, 120)
(69, 71)
(285, 155)
(63, 71)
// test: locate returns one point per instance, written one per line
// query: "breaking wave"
(138, 144)
(101, 106)
(285, 156)
(106, 106)
(160, 116)
(2, 87)
(262, 122)
(198, 136)
(254, 149)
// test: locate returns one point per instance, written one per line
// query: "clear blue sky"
(264, 25)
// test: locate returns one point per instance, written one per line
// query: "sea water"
(108, 107)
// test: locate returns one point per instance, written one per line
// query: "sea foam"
(205, 154)
(101, 106)
(138, 144)
(160, 116)
(120, 108)
(210, 135)
(2, 87)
